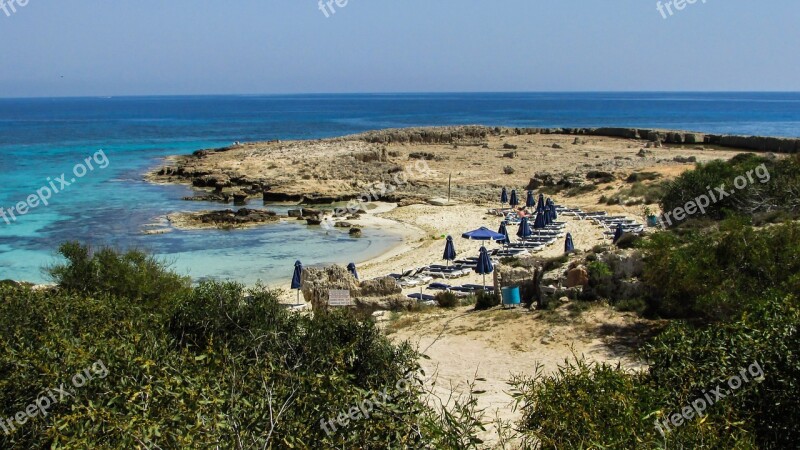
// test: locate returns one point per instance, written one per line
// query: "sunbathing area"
(538, 226)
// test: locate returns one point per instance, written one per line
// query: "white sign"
(339, 297)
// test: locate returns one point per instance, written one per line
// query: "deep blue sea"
(41, 138)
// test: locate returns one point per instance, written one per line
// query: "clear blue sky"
(126, 47)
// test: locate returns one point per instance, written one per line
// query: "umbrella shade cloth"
(540, 205)
(484, 263)
(504, 196)
(483, 234)
(540, 222)
(568, 244)
(553, 212)
(449, 250)
(514, 201)
(352, 269)
(524, 229)
(504, 231)
(298, 273)
(618, 233)
(530, 202)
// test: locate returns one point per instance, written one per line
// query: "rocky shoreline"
(356, 161)
(466, 163)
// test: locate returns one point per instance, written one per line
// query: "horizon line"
(376, 93)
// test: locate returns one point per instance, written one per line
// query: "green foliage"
(207, 367)
(771, 185)
(133, 274)
(447, 299)
(585, 406)
(485, 300)
(636, 305)
(642, 176)
(687, 360)
(713, 275)
(628, 240)
(601, 282)
(739, 288)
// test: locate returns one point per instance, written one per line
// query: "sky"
(195, 47)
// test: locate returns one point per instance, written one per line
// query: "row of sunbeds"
(608, 223)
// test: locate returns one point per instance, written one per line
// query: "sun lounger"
(478, 287)
(421, 297)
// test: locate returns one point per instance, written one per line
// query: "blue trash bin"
(511, 296)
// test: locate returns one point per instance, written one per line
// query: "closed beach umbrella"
(449, 250)
(530, 202)
(484, 265)
(553, 213)
(504, 231)
(514, 201)
(540, 222)
(352, 269)
(297, 281)
(524, 230)
(569, 246)
(618, 233)
(540, 205)
(503, 196)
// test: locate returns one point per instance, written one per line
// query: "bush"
(775, 186)
(133, 275)
(485, 300)
(642, 176)
(601, 282)
(447, 299)
(713, 275)
(635, 305)
(207, 365)
(628, 240)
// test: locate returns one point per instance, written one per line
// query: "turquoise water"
(41, 138)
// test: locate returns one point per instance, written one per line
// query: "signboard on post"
(339, 297)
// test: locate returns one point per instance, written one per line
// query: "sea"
(42, 138)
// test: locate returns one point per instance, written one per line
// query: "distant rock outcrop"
(368, 295)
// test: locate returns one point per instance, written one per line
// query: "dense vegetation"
(764, 186)
(215, 366)
(731, 290)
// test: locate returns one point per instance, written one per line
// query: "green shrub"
(713, 275)
(200, 367)
(642, 176)
(133, 274)
(485, 300)
(636, 305)
(628, 240)
(779, 191)
(447, 299)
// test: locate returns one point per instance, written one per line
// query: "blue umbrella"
(553, 213)
(540, 206)
(503, 197)
(483, 234)
(513, 202)
(530, 202)
(352, 269)
(524, 230)
(618, 233)
(569, 246)
(504, 231)
(297, 278)
(449, 250)
(484, 265)
(540, 222)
